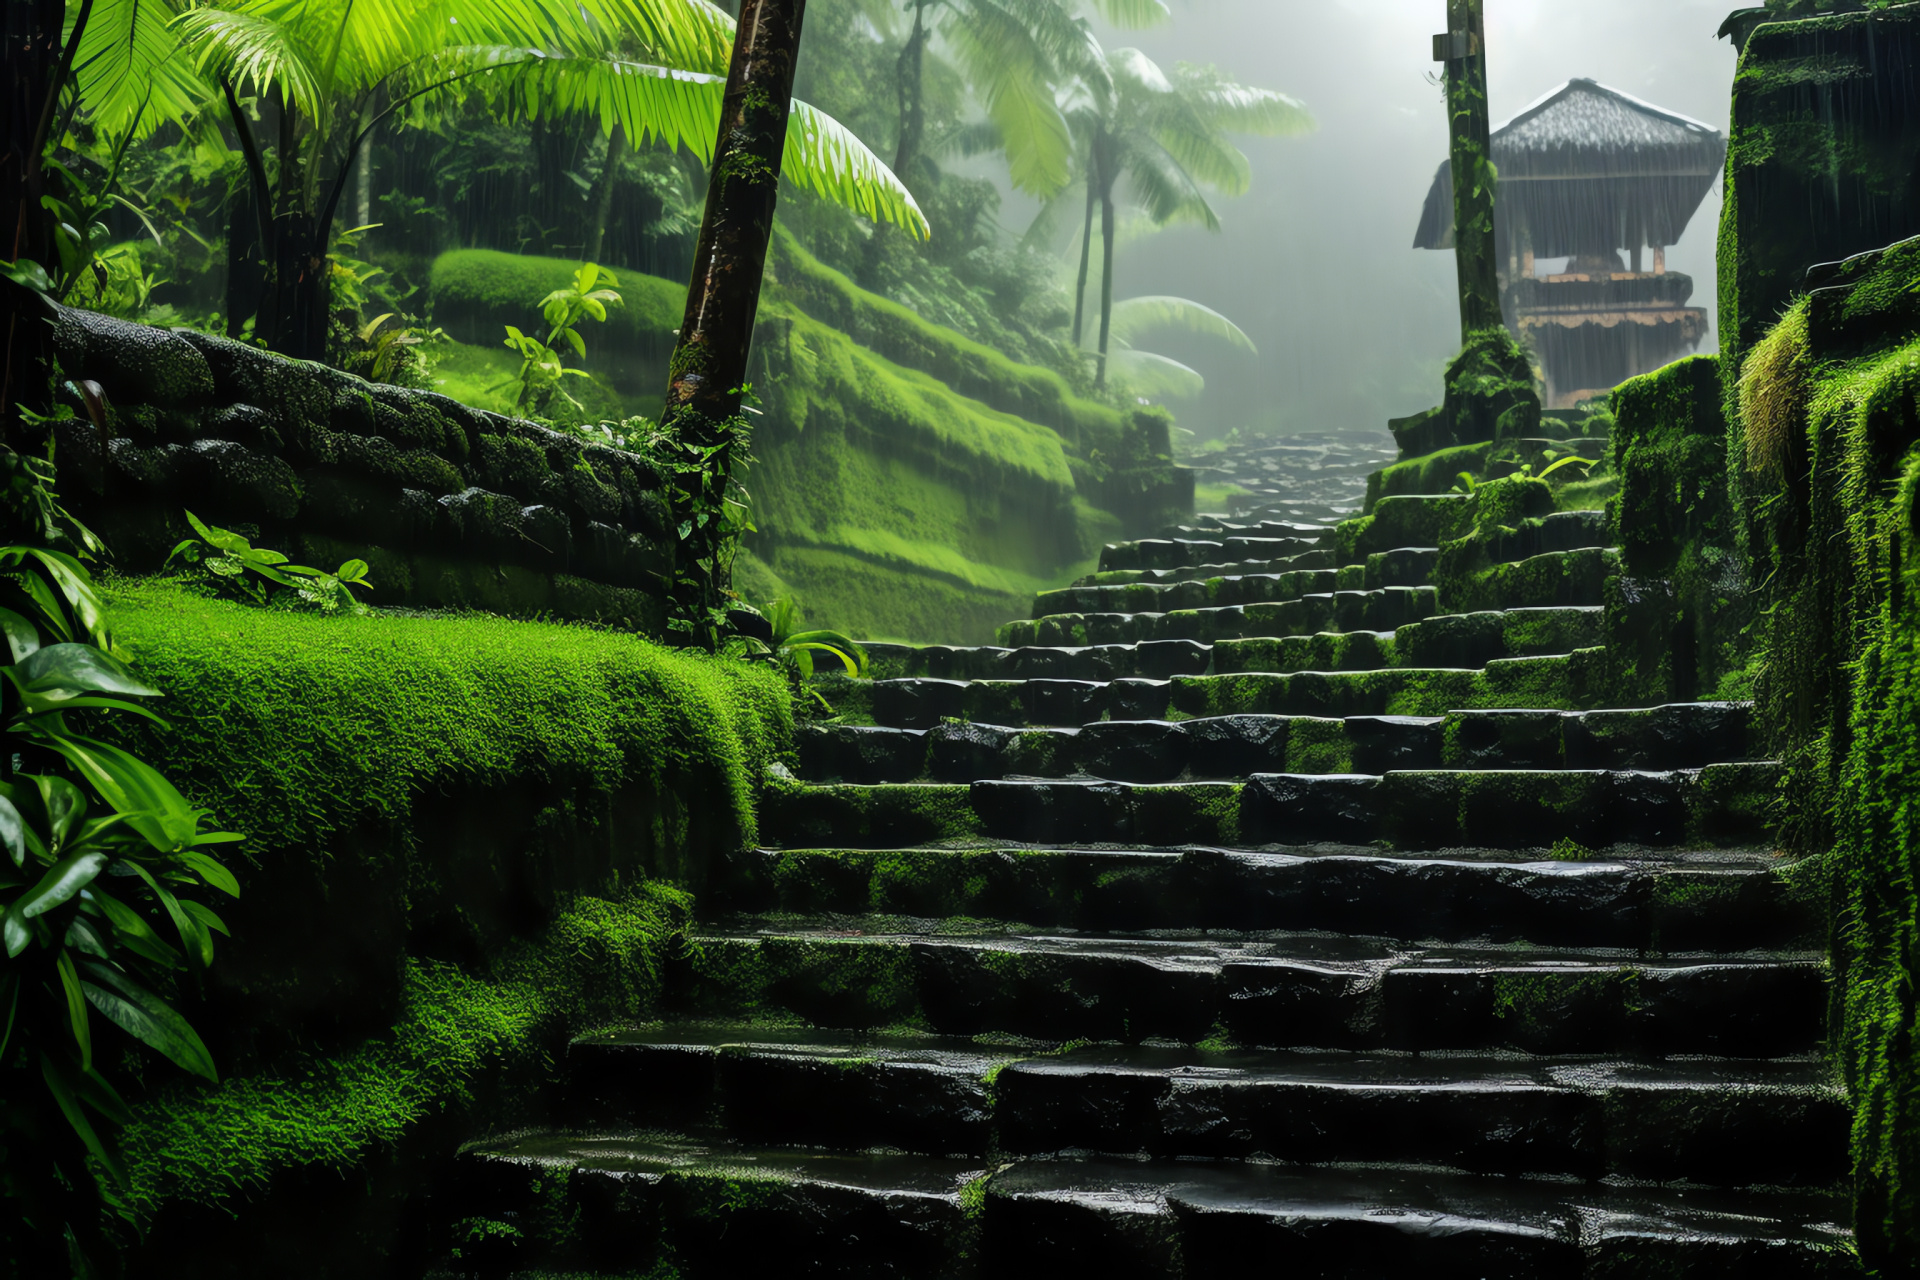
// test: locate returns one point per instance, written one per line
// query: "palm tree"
(327, 73)
(1167, 137)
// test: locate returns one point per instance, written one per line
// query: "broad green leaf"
(60, 671)
(28, 274)
(76, 1006)
(147, 1018)
(194, 938)
(153, 806)
(63, 805)
(207, 916)
(13, 832)
(22, 636)
(64, 879)
(133, 931)
(212, 872)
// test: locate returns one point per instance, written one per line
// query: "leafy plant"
(252, 572)
(542, 368)
(1466, 482)
(794, 650)
(101, 861)
(396, 353)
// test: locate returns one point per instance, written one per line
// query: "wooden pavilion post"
(1463, 49)
(703, 429)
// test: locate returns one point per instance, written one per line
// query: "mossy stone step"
(1580, 809)
(1722, 804)
(1553, 579)
(1202, 572)
(1715, 1124)
(688, 1205)
(1155, 659)
(1653, 906)
(1685, 735)
(1568, 681)
(1192, 593)
(1174, 553)
(714, 1210)
(1128, 1220)
(1474, 639)
(1401, 567)
(1288, 990)
(1382, 610)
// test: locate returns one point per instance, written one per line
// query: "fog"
(1314, 263)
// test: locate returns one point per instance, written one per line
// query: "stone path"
(1239, 908)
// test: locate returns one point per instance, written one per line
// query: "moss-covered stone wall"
(451, 506)
(468, 839)
(909, 483)
(1821, 163)
(1835, 451)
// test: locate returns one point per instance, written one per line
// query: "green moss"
(904, 338)
(1317, 745)
(1436, 472)
(467, 1042)
(299, 728)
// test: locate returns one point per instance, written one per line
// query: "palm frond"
(680, 109)
(1146, 373)
(1239, 108)
(694, 35)
(1005, 60)
(1134, 318)
(824, 156)
(1205, 154)
(131, 71)
(253, 50)
(1167, 191)
(1132, 15)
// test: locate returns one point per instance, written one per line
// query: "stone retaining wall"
(451, 506)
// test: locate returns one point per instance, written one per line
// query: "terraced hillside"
(1281, 891)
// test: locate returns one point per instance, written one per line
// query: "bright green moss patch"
(297, 728)
(467, 1042)
(1436, 472)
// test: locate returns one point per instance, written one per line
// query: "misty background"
(1353, 325)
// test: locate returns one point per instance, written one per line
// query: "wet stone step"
(1383, 610)
(681, 1205)
(1712, 1123)
(1154, 659)
(913, 1092)
(1201, 572)
(1558, 531)
(1575, 811)
(1193, 593)
(1401, 567)
(1130, 1220)
(1282, 990)
(1686, 903)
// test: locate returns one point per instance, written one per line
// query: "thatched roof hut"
(1588, 170)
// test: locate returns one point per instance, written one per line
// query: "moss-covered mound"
(910, 483)
(475, 293)
(452, 822)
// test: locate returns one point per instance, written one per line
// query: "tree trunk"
(1106, 283)
(709, 365)
(1473, 174)
(31, 59)
(603, 194)
(910, 90)
(1086, 255)
(292, 319)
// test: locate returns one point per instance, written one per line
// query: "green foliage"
(542, 370)
(792, 650)
(250, 573)
(104, 861)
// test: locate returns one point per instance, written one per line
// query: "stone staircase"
(1240, 905)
